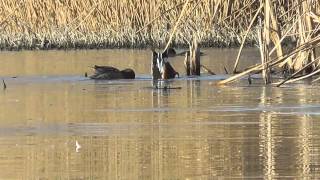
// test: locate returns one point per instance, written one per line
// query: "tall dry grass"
(298, 21)
(123, 23)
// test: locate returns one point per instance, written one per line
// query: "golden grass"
(125, 23)
(300, 19)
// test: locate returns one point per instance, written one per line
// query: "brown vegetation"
(301, 24)
(125, 23)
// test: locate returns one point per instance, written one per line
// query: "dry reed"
(300, 22)
(126, 23)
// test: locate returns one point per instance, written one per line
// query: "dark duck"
(109, 73)
(161, 68)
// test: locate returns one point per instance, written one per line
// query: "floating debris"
(208, 70)
(249, 79)
(166, 87)
(225, 70)
(78, 146)
(4, 85)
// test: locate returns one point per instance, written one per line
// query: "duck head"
(128, 73)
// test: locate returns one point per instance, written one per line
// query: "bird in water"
(109, 73)
(161, 68)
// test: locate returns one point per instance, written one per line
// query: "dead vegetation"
(34, 24)
(278, 21)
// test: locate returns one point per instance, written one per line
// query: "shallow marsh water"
(127, 130)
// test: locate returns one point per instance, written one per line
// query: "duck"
(167, 71)
(109, 73)
(161, 68)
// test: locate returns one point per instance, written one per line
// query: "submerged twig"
(249, 79)
(167, 88)
(225, 70)
(4, 84)
(207, 70)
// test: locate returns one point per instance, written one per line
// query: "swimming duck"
(108, 72)
(161, 68)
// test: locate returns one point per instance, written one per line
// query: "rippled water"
(127, 130)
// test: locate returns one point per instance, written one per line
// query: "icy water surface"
(126, 130)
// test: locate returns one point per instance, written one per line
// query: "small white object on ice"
(78, 146)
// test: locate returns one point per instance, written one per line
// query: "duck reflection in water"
(109, 73)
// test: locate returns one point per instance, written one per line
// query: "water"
(127, 130)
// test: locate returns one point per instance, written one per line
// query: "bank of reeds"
(302, 26)
(125, 23)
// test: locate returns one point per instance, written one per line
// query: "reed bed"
(124, 23)
(298, 21)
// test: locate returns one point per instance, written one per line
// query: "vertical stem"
(195, 57)
(266, 42)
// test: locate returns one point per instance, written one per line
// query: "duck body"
(161, 68)
(168, 71)
(109, 73)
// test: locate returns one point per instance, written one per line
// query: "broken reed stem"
(187, 63)
(298, 72)
(195, 58)
(283, 37)
(207, 70)
(244, 39)
(225, 70)
(304, 47)
(176, 25)
(266, 42)
(302, 59)
(305, 76)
